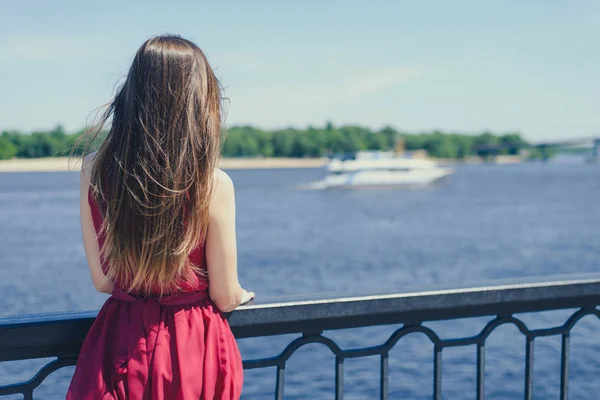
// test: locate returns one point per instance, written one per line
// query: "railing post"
(481, 369)
(339, 377)
(280, 381)
(564, 366)
(384, 377)
(437, 372)
(529, 368)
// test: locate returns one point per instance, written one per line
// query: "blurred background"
(498, 98)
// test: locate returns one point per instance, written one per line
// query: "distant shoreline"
(60, 164)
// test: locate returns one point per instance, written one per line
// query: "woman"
(158, 224)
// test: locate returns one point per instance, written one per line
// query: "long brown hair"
(153, 175)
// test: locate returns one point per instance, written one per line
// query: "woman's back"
(158, 224)
(195, 282)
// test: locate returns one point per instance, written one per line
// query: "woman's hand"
(247, 296)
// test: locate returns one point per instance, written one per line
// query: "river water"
(484, 224)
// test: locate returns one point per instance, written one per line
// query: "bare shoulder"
(87, 164)
(223, 183)
(223, 194)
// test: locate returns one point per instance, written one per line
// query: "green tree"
(58, 132)
(7, 149)
(283, 143)
(247, 141)
(440, 145)
(265, 142)
(391, 136)
(513, 143)
(415, 142)
(317, 140)
(336, 142)
(356, 138)
(376, 141)
(302, 145)
(486, 144)
(464, 146)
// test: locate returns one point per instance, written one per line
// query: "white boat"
(377, 169)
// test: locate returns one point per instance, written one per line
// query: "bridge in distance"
(592, 143)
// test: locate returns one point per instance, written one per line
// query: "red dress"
(178, 347)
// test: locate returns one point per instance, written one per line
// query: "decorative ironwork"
(478, 340)
(22, 338)
(27, 388)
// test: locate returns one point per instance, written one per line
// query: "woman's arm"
(221, 253)
(88, 232)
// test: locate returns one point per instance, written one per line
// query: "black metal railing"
(60, 335)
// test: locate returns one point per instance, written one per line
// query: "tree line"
(248, 141)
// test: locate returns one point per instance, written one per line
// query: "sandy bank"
(62, 164)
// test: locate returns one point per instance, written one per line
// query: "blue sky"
(530, 66)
